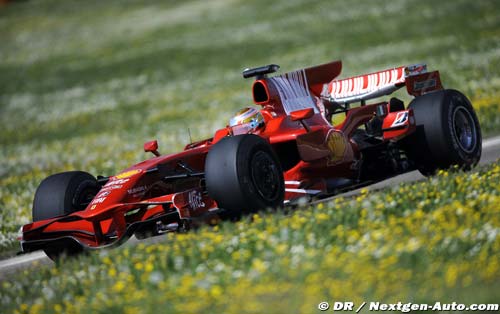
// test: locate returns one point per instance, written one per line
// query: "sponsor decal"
(415, 69)
(128, 174)
(116, 181)
(103, 194)
(401, 119)
(419, 85)
(337, 146)
(114, 184)
(98, 200)
(112, 187)
(137, 189)
(195, 199)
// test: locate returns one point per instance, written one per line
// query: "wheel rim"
(265, 175)
(84, 198)
(464, 129)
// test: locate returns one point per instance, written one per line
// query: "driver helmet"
(247, 117)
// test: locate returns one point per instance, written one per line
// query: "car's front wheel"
(62, 194)
(243, 174)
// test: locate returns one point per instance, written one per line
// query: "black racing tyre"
(447, 134)
(243, 174)
(64, 193)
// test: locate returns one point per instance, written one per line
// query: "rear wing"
(297, 90)
(363, 87)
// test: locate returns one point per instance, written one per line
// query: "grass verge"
(434, 240)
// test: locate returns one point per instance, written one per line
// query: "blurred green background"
(84, 83)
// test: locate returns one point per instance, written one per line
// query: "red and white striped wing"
(355, 88)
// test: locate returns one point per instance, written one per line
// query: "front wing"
(113, 225)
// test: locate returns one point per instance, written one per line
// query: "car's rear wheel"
(448, 132)
(243, 174)
(62, 194)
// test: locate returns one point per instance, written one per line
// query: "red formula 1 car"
(264, 158)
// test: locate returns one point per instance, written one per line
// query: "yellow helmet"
(249, 117)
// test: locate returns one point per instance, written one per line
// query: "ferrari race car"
(265, 158)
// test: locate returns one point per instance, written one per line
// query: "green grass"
(435, 240)
(84, 83)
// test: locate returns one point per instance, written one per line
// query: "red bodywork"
(167, 190)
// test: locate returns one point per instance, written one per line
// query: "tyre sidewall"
(59, 194)
(228, 170)
(246, 153)
(434, 144)
(453, 101)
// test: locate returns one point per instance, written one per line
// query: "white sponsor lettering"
(195, 199)
(112, 187)
(103, 194)
(137, 189)
(114, 184)
(118, 181)
(98, 200)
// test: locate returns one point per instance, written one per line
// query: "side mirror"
(301, 115)
(152, 146)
